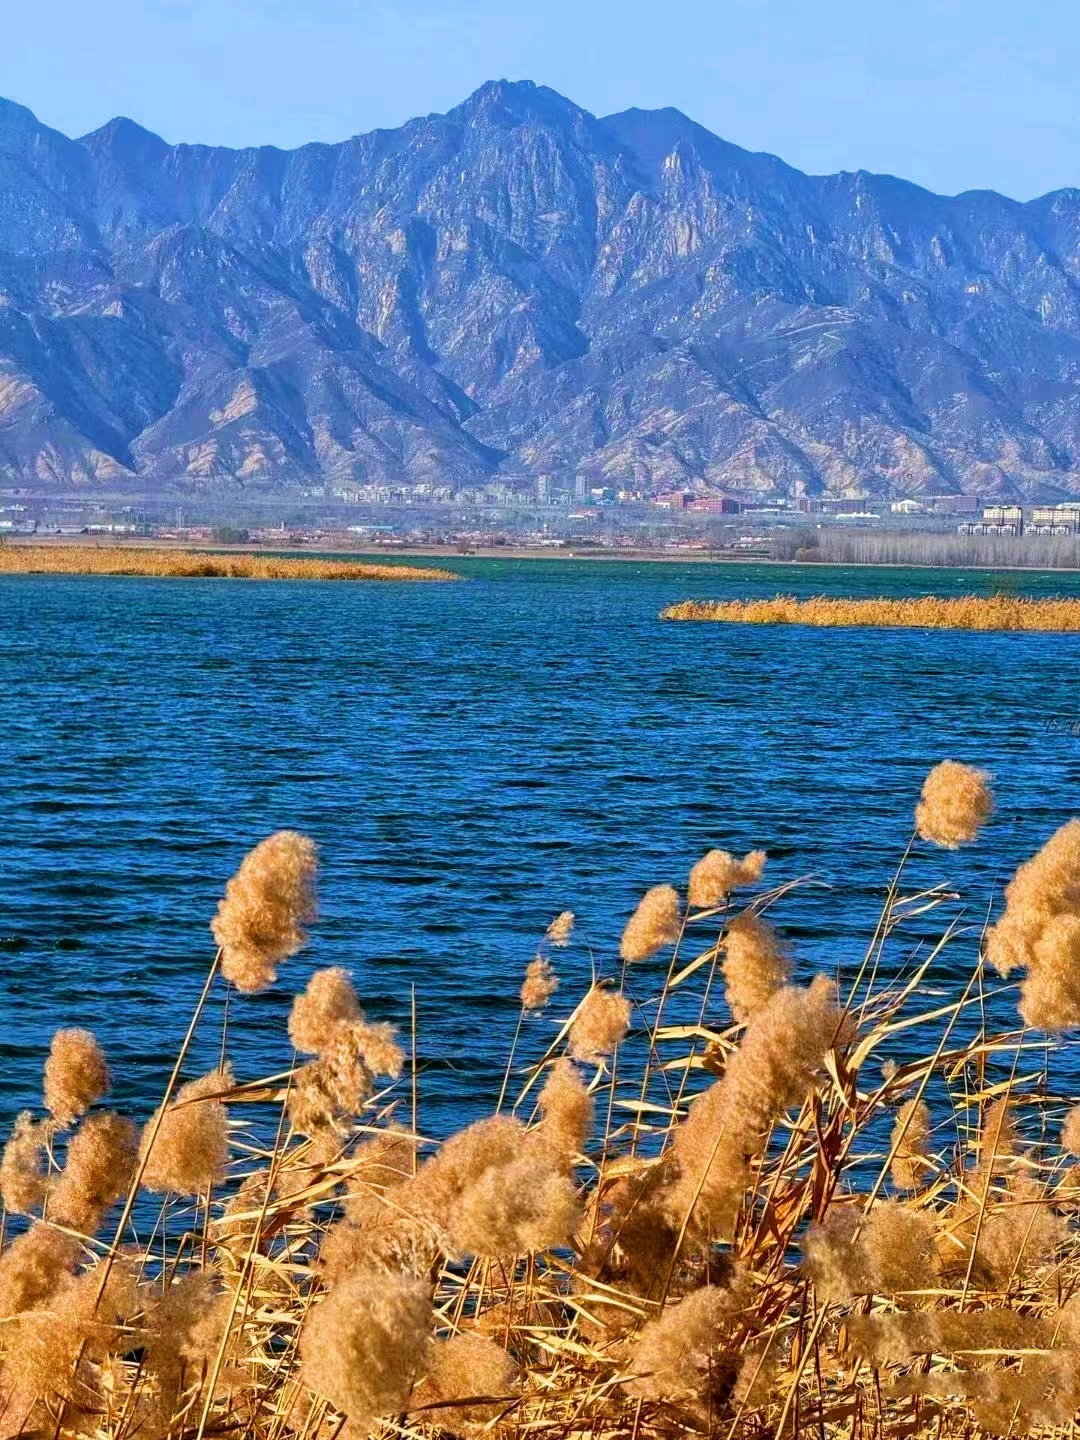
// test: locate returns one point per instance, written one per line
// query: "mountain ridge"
(517, 290)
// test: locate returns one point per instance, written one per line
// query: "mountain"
(515, 289)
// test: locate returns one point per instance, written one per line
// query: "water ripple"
(471, 759)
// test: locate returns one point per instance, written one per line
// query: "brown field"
(927, 612)
(196, 564)
(721, 1203)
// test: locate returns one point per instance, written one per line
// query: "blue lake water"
(472, 759)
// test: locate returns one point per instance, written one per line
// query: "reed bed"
(924, 612)
(197, 565)
(721, 1202)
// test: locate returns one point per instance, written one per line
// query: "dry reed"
(756, 965)
(24, 1181)
(259, 922)
(601, 1022)
(540, 983)
(197, 564)
(561, 928)
(924, 612)
(740, 1230)
(955, 804)
(718, 873)
(76, 1075)
(654, 924)
(1040, 932)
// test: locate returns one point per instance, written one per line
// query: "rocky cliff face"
(518, 289)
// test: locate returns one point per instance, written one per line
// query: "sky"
(953, 94)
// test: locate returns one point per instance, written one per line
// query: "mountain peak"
(512, 102)
(123, 136)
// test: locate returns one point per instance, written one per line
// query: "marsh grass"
(849, 1216)
(924, 612)
(194, 564)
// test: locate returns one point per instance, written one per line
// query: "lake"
(473, 759)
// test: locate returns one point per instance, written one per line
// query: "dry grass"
(850, 1217)
(194, 564)
(926, 612)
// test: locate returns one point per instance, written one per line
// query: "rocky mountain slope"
(517, 289)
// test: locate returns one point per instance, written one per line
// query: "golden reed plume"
(259, 922)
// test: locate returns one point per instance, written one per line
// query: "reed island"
(198, 564)
(923, 612)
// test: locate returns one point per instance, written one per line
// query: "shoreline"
(388, 554)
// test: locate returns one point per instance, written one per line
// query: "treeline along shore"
(835, 546)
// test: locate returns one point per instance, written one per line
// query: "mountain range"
(518, 289)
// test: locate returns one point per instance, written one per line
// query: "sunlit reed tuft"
(539, 985)
(366, 1344)
(1040, 932)
(600, 1024)
(755, 965)
(956, 803)
(655, 923)
(1070, 1131)
(352, 1053)
(784, 1046)
(33, 1266)
(561, 929)
(686, 1355)
(259, 922)
(567, 1110)
(718, 873)
(76, 1075)
(470, 1368)
(889, 1251)
(328, 1001)
(190, 1151)
(24, 1179)
(97, 1171)
(518, 1208)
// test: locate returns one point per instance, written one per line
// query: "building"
(980, 527)
(955, 504)
(1005, 515)
(996, 520)
(716, 505)
(1056, 519)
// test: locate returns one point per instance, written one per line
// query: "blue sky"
(955, 94)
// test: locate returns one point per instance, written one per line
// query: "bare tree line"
(866, 547)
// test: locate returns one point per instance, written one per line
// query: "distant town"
(936, 529)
